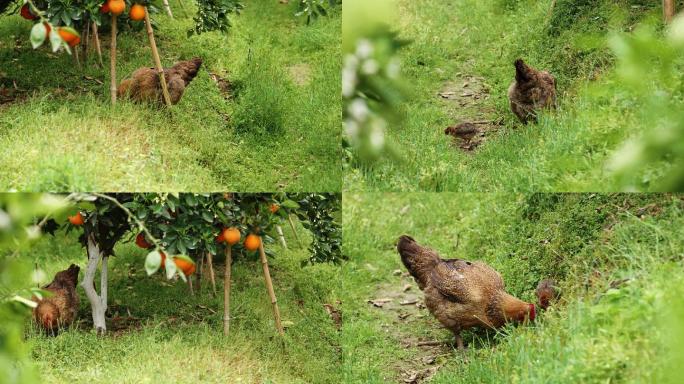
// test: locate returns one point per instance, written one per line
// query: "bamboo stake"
(226, 290)
(96, 37)
(78, 62)
(157, 61)
(192, 291)
(289, 218)
(167, 8)
(269, 286)
(112, 61)
(281, 236)
(86, 42)
(198, 275)
(212, 277)
(668, 10)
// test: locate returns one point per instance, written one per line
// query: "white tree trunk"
(281, 236)
(98, 304)
(167, 8)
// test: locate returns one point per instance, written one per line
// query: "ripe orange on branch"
(141, 241)
(188, 267)
(137, 12)
(252, 242)
(26, 13)
(76, 219)
(220, 238)
(274, 208)
(231, 236)
(116, 7)
(69, 35)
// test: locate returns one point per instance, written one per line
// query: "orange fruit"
(116, 7)
(76, 219)
(187, 267)
(252, 242)
(137, 12)
(47, 30)
(26, 13)
(69, 35)
(163, 258)
(231, 236)
(105, 7)
(141, 241)
(220, 238)
(274, 208)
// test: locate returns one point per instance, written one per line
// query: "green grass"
(177, 338)
(595, 334)
(566, 151)
(279, 131)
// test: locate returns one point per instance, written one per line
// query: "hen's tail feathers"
(188, 69)
(418, 260)
(46, 314)
(521, 71)
(124, 88)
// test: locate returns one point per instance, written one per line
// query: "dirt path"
(464, 99)
(402, 301)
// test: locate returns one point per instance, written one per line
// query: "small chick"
(546, 292)
(464, 131)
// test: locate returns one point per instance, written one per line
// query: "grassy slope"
(179, 339)
(566, 151)
(274, 134)
(594, 335)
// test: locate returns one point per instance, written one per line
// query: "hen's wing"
(464, 281)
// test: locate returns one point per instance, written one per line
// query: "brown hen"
(144, 84)
(60, 309)
(461, 294)
(531, 91)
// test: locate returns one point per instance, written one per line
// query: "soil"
(300, 74)
(404, 302)
(464, 98)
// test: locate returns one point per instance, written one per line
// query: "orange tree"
(189, 227)
(58, 21)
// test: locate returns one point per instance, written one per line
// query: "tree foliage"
(213, 15)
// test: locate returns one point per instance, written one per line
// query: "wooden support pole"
(157, 61)
(76, 56)
(167, 8)
(269, 287)
(668, 10)
(212, 277)
(226, 290)
(86, 42)
(192, 291)
(200, 272)
(289, 218)
(112, 61)
(96, 37)
(281, 236)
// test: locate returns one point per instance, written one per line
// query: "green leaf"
(290, 204)
(38, 34)
(153, 261)
(207, 216)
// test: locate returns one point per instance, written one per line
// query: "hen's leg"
(459, 341)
